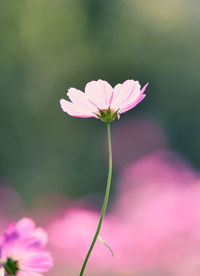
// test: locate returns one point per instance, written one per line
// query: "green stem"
(104, 203)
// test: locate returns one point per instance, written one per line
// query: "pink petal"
(75, 110)
(124, 92)
(25, 225)
(133, 95)
(79, 98)
(25, 273)
(99, 93)
(38, 238)
(36, 261)
(133, 104)
(144, 88)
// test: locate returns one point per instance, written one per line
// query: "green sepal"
(107, 115)
(11, 267)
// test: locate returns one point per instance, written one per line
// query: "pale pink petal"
(135, 97)
(25, 225)
(75, 110)
(41, 235)
(124, 92)
(25, 273)
(100, 93)
(37, 238)
(36, 261)
(80, 98)
(133, 104)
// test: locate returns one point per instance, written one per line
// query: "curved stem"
(104, 203)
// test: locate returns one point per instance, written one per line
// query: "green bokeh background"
(47, 46)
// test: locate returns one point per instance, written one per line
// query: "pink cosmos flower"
(101, 100)
(21, 250)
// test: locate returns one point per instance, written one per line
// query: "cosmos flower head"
(102, 101)
(22, 250)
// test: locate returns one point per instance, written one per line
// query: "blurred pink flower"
(22, 249)
(153, 226)
(100, 96)
(159, 199)
(70, 236)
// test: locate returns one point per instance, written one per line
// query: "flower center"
(11, 267)
(107, 115)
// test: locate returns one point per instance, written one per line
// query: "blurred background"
(51, 163)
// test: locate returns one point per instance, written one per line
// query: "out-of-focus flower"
(70, 235)
(153, 226)
(22, 250)
(159, 200)
(101, 100)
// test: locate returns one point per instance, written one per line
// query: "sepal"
(107, 115)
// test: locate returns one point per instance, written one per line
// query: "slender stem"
(104, 203)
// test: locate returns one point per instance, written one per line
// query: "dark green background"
(47, 46)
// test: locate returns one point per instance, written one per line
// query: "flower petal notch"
(102, 101)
